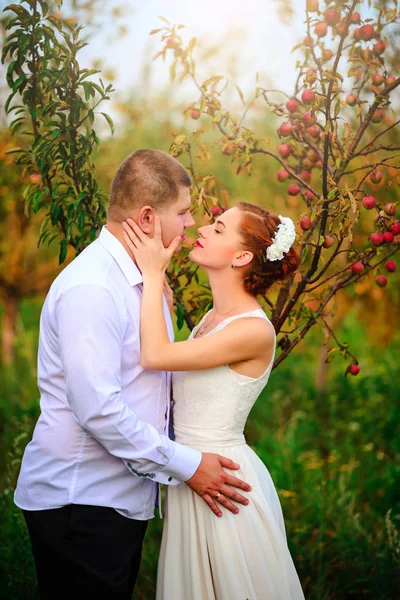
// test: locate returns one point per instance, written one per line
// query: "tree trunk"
(9, 326)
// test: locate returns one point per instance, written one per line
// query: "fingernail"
(246, 502)
(249, 488)
(220, 514)
(236, 511)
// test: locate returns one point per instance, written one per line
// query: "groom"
(89, 477)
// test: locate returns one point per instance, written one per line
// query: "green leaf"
(87, 73)
(63, 251)
(19, 10)
(153, 31)
(109, 121)
(337, 108)
(180, 315)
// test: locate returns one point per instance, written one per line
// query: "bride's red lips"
(197, 243)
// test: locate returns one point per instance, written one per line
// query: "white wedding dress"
(233, 557)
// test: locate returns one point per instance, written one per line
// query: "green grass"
(333, 455)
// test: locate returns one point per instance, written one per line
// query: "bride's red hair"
(257, 228)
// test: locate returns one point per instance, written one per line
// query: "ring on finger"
(217, 495)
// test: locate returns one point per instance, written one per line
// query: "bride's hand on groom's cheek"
(149, 253)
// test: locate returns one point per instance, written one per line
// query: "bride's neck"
(228, 292)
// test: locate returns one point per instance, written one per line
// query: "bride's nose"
(200, 232)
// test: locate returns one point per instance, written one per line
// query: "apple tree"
(338, 156)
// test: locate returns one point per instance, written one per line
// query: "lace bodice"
(213, 404)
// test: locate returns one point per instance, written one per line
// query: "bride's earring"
(233, 266)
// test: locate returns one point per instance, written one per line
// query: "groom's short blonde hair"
(146, 177)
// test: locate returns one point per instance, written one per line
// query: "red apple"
(377, 79)
(354, 370)
(357, 34)
(379, 48)
(242, 145)
(367, 32)
(310, 195)
(389, 80)
(195, 114)
(308, 41)
(307, 163)
(351, 99)
(292, 105)
(388, 237)
(327, 54)
(172, 43)
(328, 241)
(390, 209)
(229, 149)
(381, 280)
(355, 17)
(307, 97)
(216, 210)
(395, 228)
(321, 29)
(311, 75)
(357, 268)
(305, 175)
(35, 178)
(376, 176)
(390, 266)
(282, 174)
(309, 119)
(293, 189)
(332, 17)
(368, 202)
(312, 5)
(305, 223)
(285, 129)
(376, 238)
(284, 150)
(314, 131)
(312, 155)
(377, 116)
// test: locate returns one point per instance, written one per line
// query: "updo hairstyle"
(257, 228)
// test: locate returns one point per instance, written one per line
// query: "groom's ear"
(145, 219)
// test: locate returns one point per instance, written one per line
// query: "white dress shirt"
(101, 438)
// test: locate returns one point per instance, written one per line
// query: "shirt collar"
(121, 256)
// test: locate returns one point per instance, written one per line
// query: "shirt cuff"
(182, 465)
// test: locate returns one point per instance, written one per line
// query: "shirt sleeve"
(91, 328)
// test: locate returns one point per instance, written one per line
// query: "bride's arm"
(247, 338)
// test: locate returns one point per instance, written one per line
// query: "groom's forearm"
(154, 338)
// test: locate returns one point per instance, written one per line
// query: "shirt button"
(172, 402)
(169, 478)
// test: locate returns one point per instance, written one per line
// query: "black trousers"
(85, 552)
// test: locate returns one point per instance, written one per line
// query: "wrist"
(156, 277)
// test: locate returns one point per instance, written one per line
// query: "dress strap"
(258, 312)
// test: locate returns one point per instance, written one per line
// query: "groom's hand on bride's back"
(214, 485)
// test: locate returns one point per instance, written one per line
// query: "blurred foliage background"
(331, 443)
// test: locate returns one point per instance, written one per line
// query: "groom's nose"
(189, 222)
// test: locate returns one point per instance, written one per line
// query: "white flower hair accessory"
(282, 240)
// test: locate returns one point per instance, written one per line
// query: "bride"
(218, 374)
